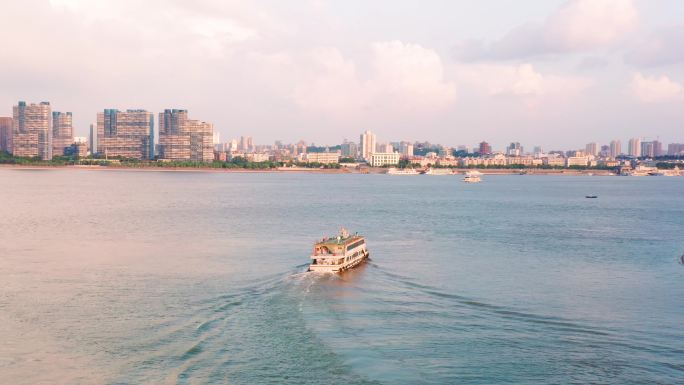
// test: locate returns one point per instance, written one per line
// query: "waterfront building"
(657, 148)
(553, 161)
(5, 133)
(485, 148)
(257, 157)
(647, 149)
(367, 145)
(350, 149)
(406, 149)
(634, 148)
(591, 149)
(523, 160)
(384, 147)
(615, 148)
(577, 161)
(92, 139)
(128, 134)
(246, 144)
(675, 149)
(322, 157)
(79, 149)
(62, 132)
(538, 151)
(181, 138)
(32, 130)
(514, 149)
(379, 159)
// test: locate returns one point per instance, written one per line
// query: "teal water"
(118, 277)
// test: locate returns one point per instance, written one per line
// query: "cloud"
(577, 26)
(518, 80)
(652, 89)
(401, 76)
(663, 47)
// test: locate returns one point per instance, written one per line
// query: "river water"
(122, 277)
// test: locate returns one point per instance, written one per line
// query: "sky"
(553, 73)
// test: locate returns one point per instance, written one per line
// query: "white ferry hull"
(341, 267)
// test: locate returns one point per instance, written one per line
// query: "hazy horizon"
(553, 73)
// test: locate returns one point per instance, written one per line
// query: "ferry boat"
(405, 171)
(339, 253)
(472, 177)
(439, 171)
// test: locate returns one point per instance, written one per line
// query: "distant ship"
(438, 171)
(472, 177)
(404, 171)
(340, 253)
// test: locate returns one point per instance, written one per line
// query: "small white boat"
(340, 253)
(404, 171)
(472, 177)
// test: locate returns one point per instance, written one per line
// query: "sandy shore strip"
(343, 170)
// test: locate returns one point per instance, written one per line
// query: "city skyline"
(549, 73)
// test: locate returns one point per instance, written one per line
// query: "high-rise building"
(92, 140)
(591, 148)
(350, 149)
(514, 149)
(183, 139)
(5, 133)
(62, 132)
(128, 134)
(485, 148)
(657, 148)
(246, 144)
(647, 149)
(32, 130)
(406, 149)
(675, 149)
(367, 144)
(634, 148)
(615, 148)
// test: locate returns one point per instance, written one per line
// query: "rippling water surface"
(119, 277)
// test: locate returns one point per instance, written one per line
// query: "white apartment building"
(378, 159)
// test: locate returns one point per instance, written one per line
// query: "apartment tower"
(368, 140)
(62, 132)
(181, 138)
(32, 130)
(128, 134)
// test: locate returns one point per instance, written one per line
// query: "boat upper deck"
(339, 241)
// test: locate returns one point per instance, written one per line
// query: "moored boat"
(439, 171)
(401, 171)
(339, 253)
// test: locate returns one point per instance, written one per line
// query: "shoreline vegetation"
(241, 165)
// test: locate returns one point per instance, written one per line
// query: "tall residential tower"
(127, 134)
(32, 130)
(62, 132)
(367, 145)
(183, 139)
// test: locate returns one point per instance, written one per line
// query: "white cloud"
(588, 24)
(402, 76)
(518, 80)
(578, 25)
(664, 46)
(652, 89)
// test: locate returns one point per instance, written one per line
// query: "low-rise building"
(553, 161)
(582, 161)
(379, 159)
(322, 157)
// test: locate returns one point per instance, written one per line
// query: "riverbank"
(342, 170)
